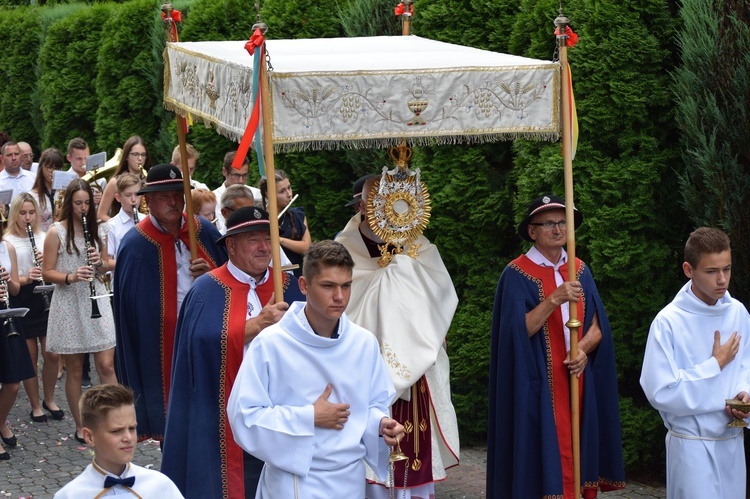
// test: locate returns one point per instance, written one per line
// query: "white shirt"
(148, 483)
(199, 185)
(219, 192)
(182, 257)
(536, 256)
(254, 305)
(23, 182)
(24, 257)
(119, 225)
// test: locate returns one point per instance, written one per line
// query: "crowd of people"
(309, 394)
(174, 329)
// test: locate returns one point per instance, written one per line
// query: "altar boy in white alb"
(697, 356)
(312, 394)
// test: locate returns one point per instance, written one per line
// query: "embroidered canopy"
(360, 92)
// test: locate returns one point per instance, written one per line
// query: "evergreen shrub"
(68, 69)
(19, 37)
(127, 84)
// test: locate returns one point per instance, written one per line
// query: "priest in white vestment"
(312, 394)
(697, 356)
(408, 302)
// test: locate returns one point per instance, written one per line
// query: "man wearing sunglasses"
(529, 434)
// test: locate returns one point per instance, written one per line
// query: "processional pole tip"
(167, 8)
(561, 21)
(260, 24)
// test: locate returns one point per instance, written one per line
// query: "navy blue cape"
(523, 457)
(200, 454)
(145, 298)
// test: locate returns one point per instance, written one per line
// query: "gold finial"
(167, 8)
(401, 154)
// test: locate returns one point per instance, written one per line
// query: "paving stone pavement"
(47, 457)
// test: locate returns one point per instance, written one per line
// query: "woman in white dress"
(24, 212)
(72, 331)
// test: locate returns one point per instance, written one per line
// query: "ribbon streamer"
(256, 41)
(176, 17)
(571, 37)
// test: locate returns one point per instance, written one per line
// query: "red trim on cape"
(265, 290)
(558, 374)
(168, 288)
(232, 350)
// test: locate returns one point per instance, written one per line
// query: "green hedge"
(67, 89)
(126, 84)
(19, 37)
(215, 20)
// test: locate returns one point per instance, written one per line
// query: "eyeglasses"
(239, 176)
(28, 155)
(138, 154)
(549, 224)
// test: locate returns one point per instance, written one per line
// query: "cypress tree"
(712, 89)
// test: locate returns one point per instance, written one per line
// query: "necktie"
(111, 481)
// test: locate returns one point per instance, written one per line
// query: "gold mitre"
(398, 206)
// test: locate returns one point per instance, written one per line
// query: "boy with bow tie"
(109, 427)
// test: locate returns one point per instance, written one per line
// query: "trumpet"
(8, 323)
(92, 290)
(43, 288)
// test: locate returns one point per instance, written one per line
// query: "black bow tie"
(111, 481)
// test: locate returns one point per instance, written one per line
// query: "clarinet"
(9, 324)
(87, 238)
(30, 232)
(135, 214)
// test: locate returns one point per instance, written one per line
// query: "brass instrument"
(89, 177)
(143, 208)
(44, 288)
(92, 290)
(109, 167)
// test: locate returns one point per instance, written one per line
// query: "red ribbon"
(256, 40)
(247, 137)
(400, 9)
(571, 36)
(176, 17)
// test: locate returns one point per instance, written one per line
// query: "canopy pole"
(408, 11)
(573, 324)
(268, 162)
(167, 9)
